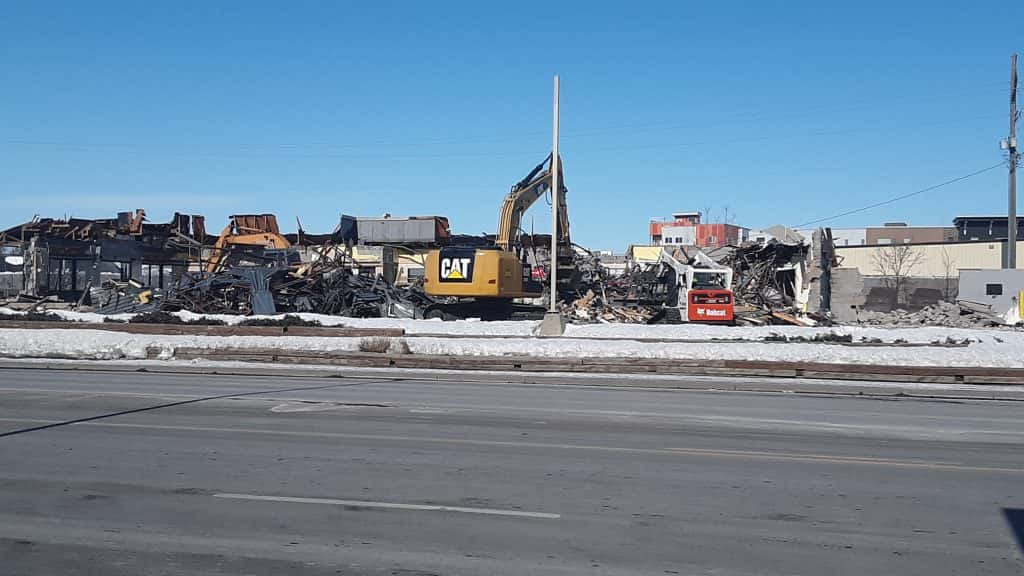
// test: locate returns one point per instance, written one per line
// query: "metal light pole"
(553, 325)
(553, 273)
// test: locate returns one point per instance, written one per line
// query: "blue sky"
(782, 112)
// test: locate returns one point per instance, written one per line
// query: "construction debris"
(328, 285)
(594, 308)
(121, 297)
(963, 314)
(764, 274)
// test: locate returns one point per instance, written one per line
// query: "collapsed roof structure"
(66, 256)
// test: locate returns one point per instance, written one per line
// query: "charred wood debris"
(328, 285)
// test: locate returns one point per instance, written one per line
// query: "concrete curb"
(707, 383)
(600, 365)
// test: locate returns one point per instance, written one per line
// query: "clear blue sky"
(784, 112)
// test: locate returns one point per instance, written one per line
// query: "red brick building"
(686, 229)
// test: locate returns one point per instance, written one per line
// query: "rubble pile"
(595, 308)
(764, 286)
(590, 273)
(322, 289)
(963, 314)
(637, 296)
(123, 297)
(756, 278)
(328, 285)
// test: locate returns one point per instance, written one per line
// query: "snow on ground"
(470, 327)
(921, 334)
(996, 348)
(987, 353)
(917, 334)
(102, 345)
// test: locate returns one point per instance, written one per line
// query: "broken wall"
(852, 292)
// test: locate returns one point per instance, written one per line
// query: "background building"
(902, 233)
(985, 227)
(686, 228)
(841, 236)
(867, 276)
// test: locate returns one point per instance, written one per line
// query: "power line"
(663, 124)
(248, 153)
(785, 136)
(902, 197)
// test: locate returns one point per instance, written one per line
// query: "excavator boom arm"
(523, 195)
(246, 230)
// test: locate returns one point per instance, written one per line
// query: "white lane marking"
(392, 505)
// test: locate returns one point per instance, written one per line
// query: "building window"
(993, 289)
(884, 241)
(712, 239)
(668, 240)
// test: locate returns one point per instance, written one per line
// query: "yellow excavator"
(246, 232)
(482, 282)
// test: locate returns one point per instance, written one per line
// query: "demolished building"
(65, 257)
(253, 268)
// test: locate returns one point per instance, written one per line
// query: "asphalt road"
(403, 477)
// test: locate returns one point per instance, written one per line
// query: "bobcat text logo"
(710, 312)
(455, 268)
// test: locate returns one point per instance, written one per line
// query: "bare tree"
(949, 268)
(895, 263)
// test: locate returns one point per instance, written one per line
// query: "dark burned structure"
(328, 285)
(127, 264)
(65, 257)
(768, 275)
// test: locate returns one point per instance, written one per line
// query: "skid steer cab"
(701, 292)
(710, 305)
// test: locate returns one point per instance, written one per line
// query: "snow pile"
(920, 334)
(435, 326)
(988, 353)
(1002, 349)
(102, 345)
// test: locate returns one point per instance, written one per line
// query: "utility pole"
(553, 273)
(1010, 145)
(553, 325)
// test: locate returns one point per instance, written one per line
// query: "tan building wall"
(933, 257)
(909, 234)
